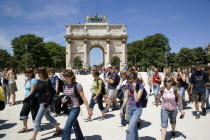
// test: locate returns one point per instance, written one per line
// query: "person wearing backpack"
(77, 98)
(156, 84)
(55, 83)
(134, 93)
(198, 80)
(97, 95)
(45, 96)
(31, 105)
(170, 98)
(113, 80)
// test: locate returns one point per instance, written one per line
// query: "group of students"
(127, 85)
(7, 81)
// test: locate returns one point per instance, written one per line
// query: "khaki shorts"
(112, 93)
(198, 97)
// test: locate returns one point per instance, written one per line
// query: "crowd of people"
(112, 89)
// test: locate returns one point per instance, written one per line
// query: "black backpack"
(144, 97)
(103, 90)
(117, 79)
(76, 93)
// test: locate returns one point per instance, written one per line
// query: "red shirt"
(155, 79)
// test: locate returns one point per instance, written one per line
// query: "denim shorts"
(167, 114)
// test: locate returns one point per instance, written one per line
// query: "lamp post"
(26, 48)
(135, 60)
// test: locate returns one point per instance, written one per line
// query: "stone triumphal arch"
(96, 32)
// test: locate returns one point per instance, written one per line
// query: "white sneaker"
(55, 115)
(120, 125)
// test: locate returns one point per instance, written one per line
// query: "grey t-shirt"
(150, 74)
(199, 79)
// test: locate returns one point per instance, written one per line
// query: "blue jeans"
(167, 114)
(207, 97)
(134, 114)
(73, 113)
(156, 89)
(123, 121)
(182, 92)
(43, 112)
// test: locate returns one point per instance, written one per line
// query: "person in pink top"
(170, 98)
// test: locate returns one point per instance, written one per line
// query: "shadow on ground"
(145, 124)
(194, 113)
(108, 116)
(94, 137)
(4, 125)
(147, 138)
(178, 134)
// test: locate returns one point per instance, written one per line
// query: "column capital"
(69, 40)
(124, 40)
(107, 40)
(85, 40)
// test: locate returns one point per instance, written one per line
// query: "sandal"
(23, 130)
(12, 104)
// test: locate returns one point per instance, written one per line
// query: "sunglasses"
(168, 81)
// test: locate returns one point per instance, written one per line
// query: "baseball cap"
(198, 63)
(125, 68)
(134, 67)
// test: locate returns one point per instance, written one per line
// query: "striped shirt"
(69, 91)
(169, 100)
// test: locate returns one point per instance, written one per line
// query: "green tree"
(135, 53)
(37, 54)
(78, 63)
(115, 61)
(100, 65)
(201, 55)
(186, 57)
(149, 51)
(4, 59)
(172, 59)
(57, 54)
(18, 44)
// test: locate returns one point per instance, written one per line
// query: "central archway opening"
(96, 56)
(77, 62)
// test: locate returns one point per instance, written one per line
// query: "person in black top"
(45, 96)
(198, 80)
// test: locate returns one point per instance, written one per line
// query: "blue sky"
(185, 22)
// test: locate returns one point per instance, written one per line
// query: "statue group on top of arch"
(96, 18)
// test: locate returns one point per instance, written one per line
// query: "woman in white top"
(11, 76)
